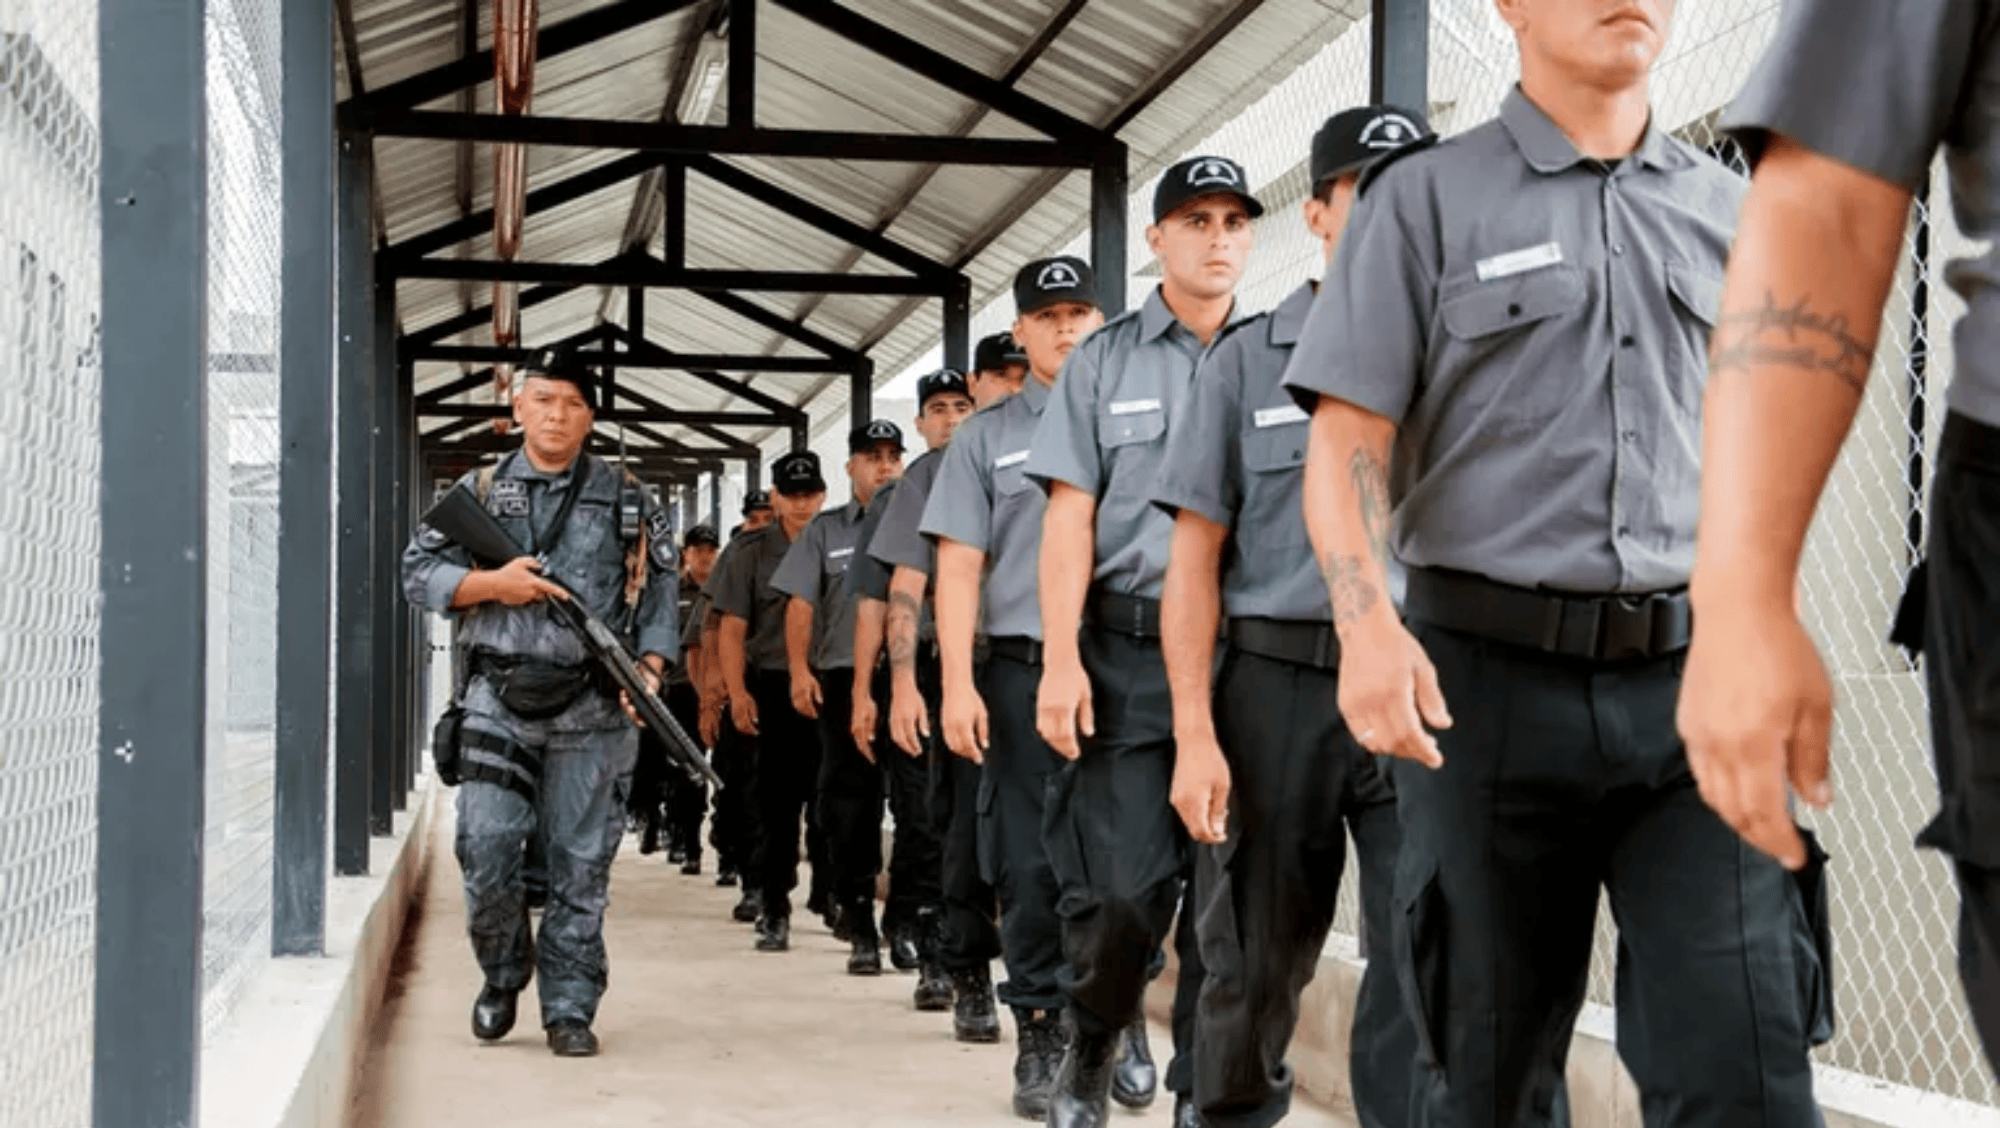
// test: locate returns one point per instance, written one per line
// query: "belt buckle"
(1626, 626)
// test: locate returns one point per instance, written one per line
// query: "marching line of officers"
(1175, 604)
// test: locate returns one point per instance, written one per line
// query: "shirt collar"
(1549, 150)
(1154, 316)
(1289, 319)
(1034, 393)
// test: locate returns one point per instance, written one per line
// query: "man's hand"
(909, 720)
(1389, 692)
(743, 713)
(651, 677)
(805, 693)
(862, 725)
(1063, 708)
(520, 583)
(1756, 710)
(711, 722)
(1201, 789)
(964, 719)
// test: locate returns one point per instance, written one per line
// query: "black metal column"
(715, 503)
(958, 325)
(354, 602)
(419, 623)
(305, 486)
(673, 225)
(153, 567)
(1400, 47)
(403, 665)
(1110, 186)
(861, 394)
(384, 543)
(753, 474)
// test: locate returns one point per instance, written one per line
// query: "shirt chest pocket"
(1274, 459)
(833, 565)
(1131, 422)
(1697, 300)
(1009, 474)
(1515, 341)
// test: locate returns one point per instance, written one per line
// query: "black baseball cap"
(999, 350)
(1354, 139)
(1046, 282)
(797, 473)
(756, 500)
(942, 382)
(558, 364)
(879, 431)
(700, 535)
(1196, 177)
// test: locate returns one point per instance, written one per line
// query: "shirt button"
(1624, 531)
(1629, 436)
(1627, 341)
(1514, 309)
(1618, 248)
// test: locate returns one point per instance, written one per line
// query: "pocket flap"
(1699, 292)
(1512, 303)
(1275, 448)
(1116, 429)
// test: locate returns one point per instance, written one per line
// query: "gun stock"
(460, 517)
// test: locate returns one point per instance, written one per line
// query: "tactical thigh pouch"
(445, 736)
(488, 758)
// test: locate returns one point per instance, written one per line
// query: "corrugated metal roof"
(984, 220)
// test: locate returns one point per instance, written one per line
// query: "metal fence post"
(1400, 49)
(305, 486)
(354, 617)
(153, 569)
(385, 541)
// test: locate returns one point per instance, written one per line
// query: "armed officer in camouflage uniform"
(545, 748)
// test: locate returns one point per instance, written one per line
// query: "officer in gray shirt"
(985, 517)
(757, 672)
(1265, 776)
(1843, 119)
(819, 646)
(1118, 849)
(545, 747)
(1509, 351)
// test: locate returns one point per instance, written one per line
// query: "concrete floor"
(697, 1028)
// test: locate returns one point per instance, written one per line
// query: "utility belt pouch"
(445, 756)
(534, 690)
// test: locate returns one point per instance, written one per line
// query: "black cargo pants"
(916, 853)
(1564, 776)
(850, 796)
(788, 760)
(1011, 811)
(970, 935)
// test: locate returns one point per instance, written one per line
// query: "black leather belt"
(1294, 641)
(1127, 614)
(1016, 648)
(1601, 627)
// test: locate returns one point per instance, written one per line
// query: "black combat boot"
(1082, 1097)
(569, 1037)
(1186, 1115)
(866, 958)
(1135, 1080)
(1038, 1051)
(973, 1016)
(726, 876)
(750, 907)
(774, 934)
(493, 1013)
(934, 990)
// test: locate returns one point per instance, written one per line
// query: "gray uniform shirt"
(867, 577)
(1237, 456)
(983, 499)
(1880, 87)
(816, 571)
(1537, 325)
(742, 587)
(589, 556)
(898, 542)
(1106, 430)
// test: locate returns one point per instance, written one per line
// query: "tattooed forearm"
(1371, 489)
(1354, 595)
(902, 631)
(1795, 336)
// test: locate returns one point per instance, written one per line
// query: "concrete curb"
(290, 1053)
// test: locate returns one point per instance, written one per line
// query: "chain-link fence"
(49, 549)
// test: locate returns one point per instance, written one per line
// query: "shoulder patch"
(1373, 172)
(659, 526)
(662, 552)
(508, 498)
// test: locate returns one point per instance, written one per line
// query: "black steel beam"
(305, 486)
(732, 446)
(695, 140)
(1195, 52)
(827, 220)
(565, 191)
(861, 393)
(153, 604)
(657, 358)
(743, 64)
(1110, 189)
(674, 206)
(483, 315)
(657, 275)
(353, 624)
(780, 324)
(942, 69)
(448, 431)
(958, 326)
(359, 113)
(1399, 40)
(616, 415)
(480, 379)
(649, 354)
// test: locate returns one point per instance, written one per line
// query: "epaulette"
(1374, 171)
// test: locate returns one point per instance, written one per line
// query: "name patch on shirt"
(1134, 407)
(1279, 416)
(838, 553)
(509, 498)
(1006, 460)
(1519, 262)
